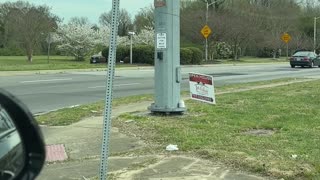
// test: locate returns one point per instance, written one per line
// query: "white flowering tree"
(145, 37)
(80, 40)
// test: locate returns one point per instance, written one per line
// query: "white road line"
(116, 85)
(47, 80)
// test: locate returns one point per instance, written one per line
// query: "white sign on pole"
(161, 40)
(202, 88)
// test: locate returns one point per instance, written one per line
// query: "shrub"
(185, 56)
(12, 51)
(265, 52)
(196, 55)
(223, 50)
(122, 53)
(143, 54)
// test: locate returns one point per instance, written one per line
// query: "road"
(43, 93)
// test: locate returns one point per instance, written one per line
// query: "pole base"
(155, 109)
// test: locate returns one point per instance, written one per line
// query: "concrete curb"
(63, 71)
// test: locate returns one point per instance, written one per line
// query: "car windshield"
(302, 53)
(168, 89)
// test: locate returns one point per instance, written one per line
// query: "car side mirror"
(22, 149)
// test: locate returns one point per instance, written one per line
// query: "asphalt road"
(44, 93)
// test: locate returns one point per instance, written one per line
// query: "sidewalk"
(83, 142)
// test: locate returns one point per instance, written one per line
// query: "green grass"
(217, 132)
(20, 63)
(245, 60)
(67, 116)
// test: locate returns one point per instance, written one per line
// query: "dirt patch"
(260, 132)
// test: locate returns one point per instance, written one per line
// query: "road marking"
(47, 80)
(117, 85)
(146, 70)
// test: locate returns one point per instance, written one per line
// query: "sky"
(92, 9)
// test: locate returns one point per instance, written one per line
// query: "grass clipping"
(291, 112)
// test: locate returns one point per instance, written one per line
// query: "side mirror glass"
(22, 150)
(11, 149)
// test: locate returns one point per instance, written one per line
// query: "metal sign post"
(206, 31)
(110, 77)
(286, 38)
(167, 58)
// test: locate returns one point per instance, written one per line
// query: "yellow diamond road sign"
(206, 31)
(286, 37)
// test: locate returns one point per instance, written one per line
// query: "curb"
(64, 71)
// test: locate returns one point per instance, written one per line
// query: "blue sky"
(87, 8)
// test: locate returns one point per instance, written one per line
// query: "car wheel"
(293, 66)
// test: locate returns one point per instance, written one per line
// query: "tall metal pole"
(167, 58)
(48, 59)
(131, 36)
(207, 17)
(314, 34)
(287, 51)
(109, 88)
(49, 46)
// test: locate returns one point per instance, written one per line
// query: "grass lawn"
(273, 131)
(19, 63)
(244, 60)
(69, 116)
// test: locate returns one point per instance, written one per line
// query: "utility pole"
(167, 58)
(207, 19)
(131, 34)
(315, 34)
(49, 40)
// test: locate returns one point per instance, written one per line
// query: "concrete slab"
(83, 140)
(88, 168)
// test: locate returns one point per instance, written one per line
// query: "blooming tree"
(79, 40)
(145, 37)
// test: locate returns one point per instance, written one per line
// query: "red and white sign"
(202, 88)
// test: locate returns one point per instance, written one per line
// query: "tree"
(125, 22)
(144, 37)
(144, 19)
(79, 20)
(29, 24)
(79, 40)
